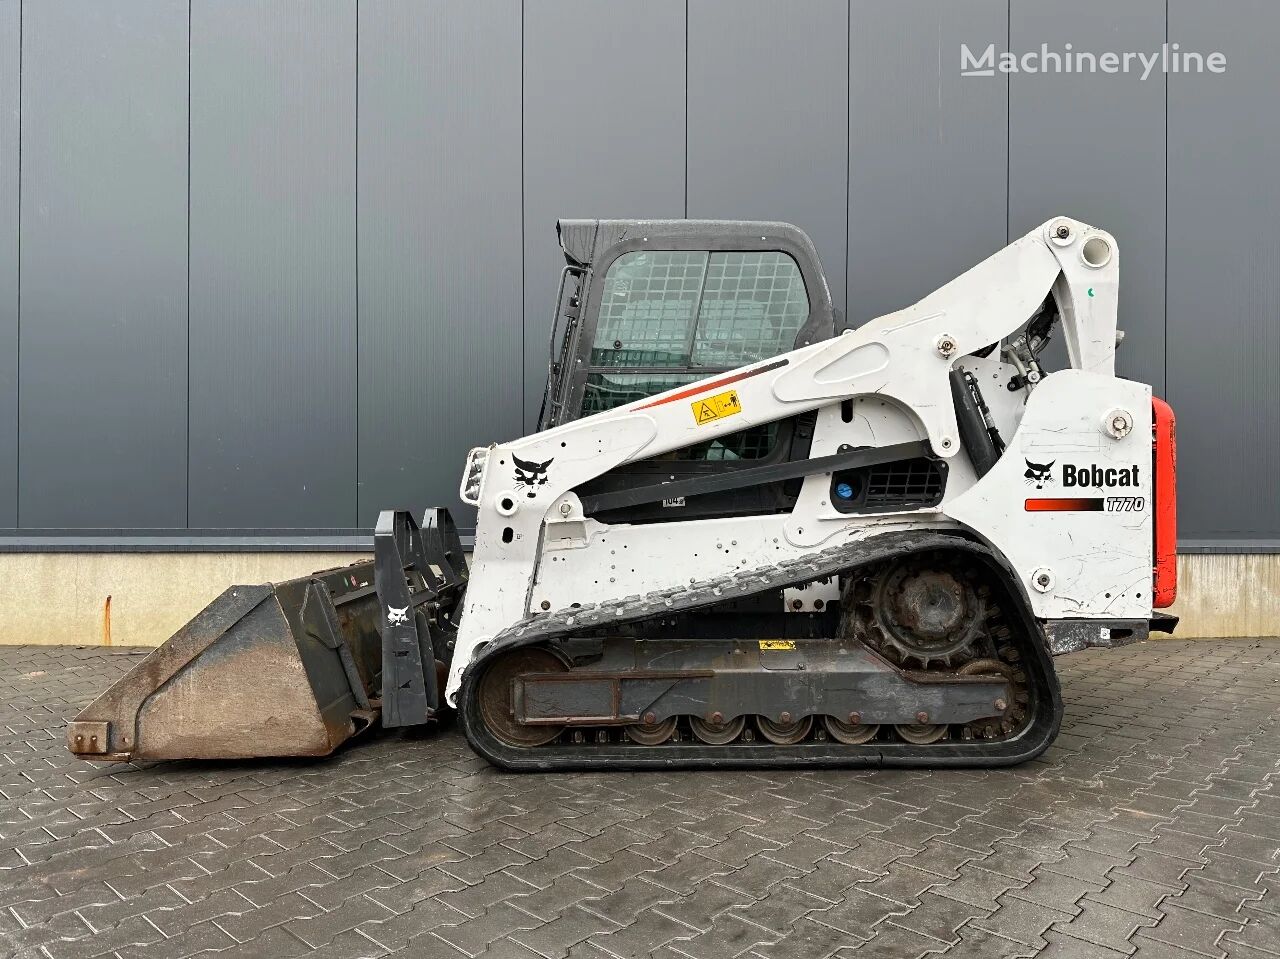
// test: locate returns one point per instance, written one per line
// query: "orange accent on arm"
(706, 387)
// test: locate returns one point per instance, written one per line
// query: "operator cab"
(646, 306)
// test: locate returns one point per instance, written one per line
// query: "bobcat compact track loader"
(738, 539)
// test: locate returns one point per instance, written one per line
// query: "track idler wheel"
(651, 734)
(851, 734)
(717, 734)
(786, 733)
(496, 694)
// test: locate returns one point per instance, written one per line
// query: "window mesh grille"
(607, 390)
(648, 307)
(752, 308)
(704, 312)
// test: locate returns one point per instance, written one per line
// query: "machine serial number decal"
(717, 407)
(777, 644)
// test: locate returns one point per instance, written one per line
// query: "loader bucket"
(292, 668)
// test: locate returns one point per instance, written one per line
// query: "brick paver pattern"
(1151, 828)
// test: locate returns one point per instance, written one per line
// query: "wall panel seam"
(846, 321)
(1164, 386)
(686, 109)
(355, 223)
(524, 255)
(187, 490)
(1008, 128)
(17, 346)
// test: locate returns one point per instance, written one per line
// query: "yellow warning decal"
(777, 644)
(712, 408)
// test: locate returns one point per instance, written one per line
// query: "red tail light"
(1165, 505)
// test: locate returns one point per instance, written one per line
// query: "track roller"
(651, 734)
(921, 734)
(784, 733)
(717, 734)
(851, 734)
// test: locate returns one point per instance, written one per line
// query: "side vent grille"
(905, 484)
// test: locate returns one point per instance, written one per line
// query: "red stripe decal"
(1083, 504)
(715, 384)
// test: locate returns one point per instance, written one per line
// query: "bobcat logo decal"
(530, 475)
(1039, 473)
(397, 617)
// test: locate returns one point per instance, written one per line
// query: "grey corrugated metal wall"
(272, 266)
(103, 345)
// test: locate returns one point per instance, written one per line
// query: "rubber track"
(1027, 744)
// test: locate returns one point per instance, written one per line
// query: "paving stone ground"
(1151, 828)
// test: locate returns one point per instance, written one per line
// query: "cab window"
(668, 318)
